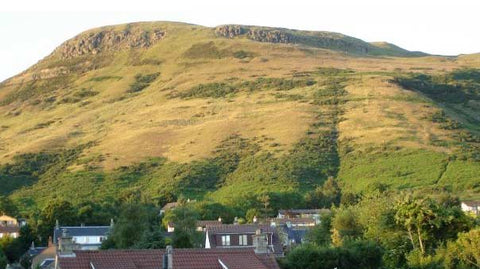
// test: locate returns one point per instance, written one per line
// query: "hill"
(230, 113)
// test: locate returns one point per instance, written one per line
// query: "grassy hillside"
(234, 112)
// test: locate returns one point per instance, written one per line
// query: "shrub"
(142, 81)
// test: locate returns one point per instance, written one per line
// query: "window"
(242, 240)
(225, 240)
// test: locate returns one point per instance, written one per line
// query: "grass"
(283, 95)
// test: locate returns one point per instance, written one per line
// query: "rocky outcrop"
(230, 31)
(261, 35)
(109, 40)
(271, 36)
(326, 40)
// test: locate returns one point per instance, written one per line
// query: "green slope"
(231, 113)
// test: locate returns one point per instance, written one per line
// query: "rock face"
(109, 40)
(317, 39)
(261, 35)
(230, 31)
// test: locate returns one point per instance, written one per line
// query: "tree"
(345, 226)
(320, 235)
(3, 260)
(151, 239)
(429, 223)
(7, 207)
(57, 210)
(325, 196)
(251, 213)
(184, 220)
(129, 228)
(417, 216)
(467, 248)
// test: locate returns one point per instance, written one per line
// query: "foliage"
(134, 229)
(224, 89)
(320, 235)
(142, 82)
(242, 54)
(204, 50)
(7, 206)
(324, 197)
(37, 88)
(466, 250)
(184, 219)
(3, 260)
(358, 254)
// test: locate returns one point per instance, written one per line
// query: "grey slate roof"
(81, 231)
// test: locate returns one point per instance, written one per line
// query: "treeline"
(383, 229)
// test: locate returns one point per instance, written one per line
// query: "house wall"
(234, 239)
(14, 235)
(88, 239)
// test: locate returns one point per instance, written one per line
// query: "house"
(293, 231)
(167, 259)
(85, 237)
(295, 222)
(234, 236)
(201, 225)
(167, 207)
(9, 227)
(173, 205)
(472, 207)
(43, 257)
(302, 213)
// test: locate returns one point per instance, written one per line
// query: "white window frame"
(243, 240)
(225, 240)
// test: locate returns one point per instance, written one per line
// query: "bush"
(142, 81)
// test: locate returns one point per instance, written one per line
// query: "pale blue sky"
(31, 29)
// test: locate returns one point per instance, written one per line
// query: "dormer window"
(225, 240)
(243, 240)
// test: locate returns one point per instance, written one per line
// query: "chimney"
(255, 219)
(260, 242)
(168, 258)
(57, 224)
(111, 223)
(50, 241)
(235, 221)
(66, 246)
(220, 219)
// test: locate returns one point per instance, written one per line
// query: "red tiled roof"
(9, 229)
(210, 259)
(182, 259)
(118, 259)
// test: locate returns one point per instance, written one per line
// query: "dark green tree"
(129, 228)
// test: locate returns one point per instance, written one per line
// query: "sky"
(32, 29)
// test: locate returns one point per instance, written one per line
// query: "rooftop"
(471, 203)
(181, 259)
(238, 228)
(9, 229)
(80, 231)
